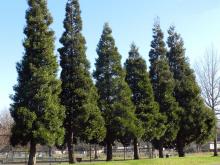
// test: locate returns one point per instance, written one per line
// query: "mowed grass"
(191, 160)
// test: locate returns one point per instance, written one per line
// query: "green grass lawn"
(191, 160)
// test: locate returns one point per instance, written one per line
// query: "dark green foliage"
(147, 110)
(157, 49)
(79, 95)
(163, 86)
(195, 124)
(36, 107)
(207, 125)
(115, 96)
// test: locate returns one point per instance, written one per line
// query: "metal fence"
(83, 152)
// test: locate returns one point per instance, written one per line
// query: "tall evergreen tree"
(147, 110)
(163, 86)
(79, 95)
(195, 123)
(36, 109)
(115, 96)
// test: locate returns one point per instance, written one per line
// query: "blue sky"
(196, 20)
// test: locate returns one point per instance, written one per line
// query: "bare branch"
(208, 75)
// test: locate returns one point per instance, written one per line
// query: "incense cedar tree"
(163, 86)
(115, 96)
(147, 110)
(36, 109)
(79, 96)
(197, 122)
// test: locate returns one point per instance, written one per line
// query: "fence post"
(124, 152)
(25, 157)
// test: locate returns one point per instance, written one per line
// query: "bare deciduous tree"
(208, 74)
(5, 127)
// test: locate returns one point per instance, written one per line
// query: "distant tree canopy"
(6, 123)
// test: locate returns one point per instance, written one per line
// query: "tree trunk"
(50, 154)
(180, 148)
(109, 151)
(215, 146)
(32, 155)
(136, 149)
(70, 149)
(161, 151)
(197, 148)
(96, 155)
(153, 153)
